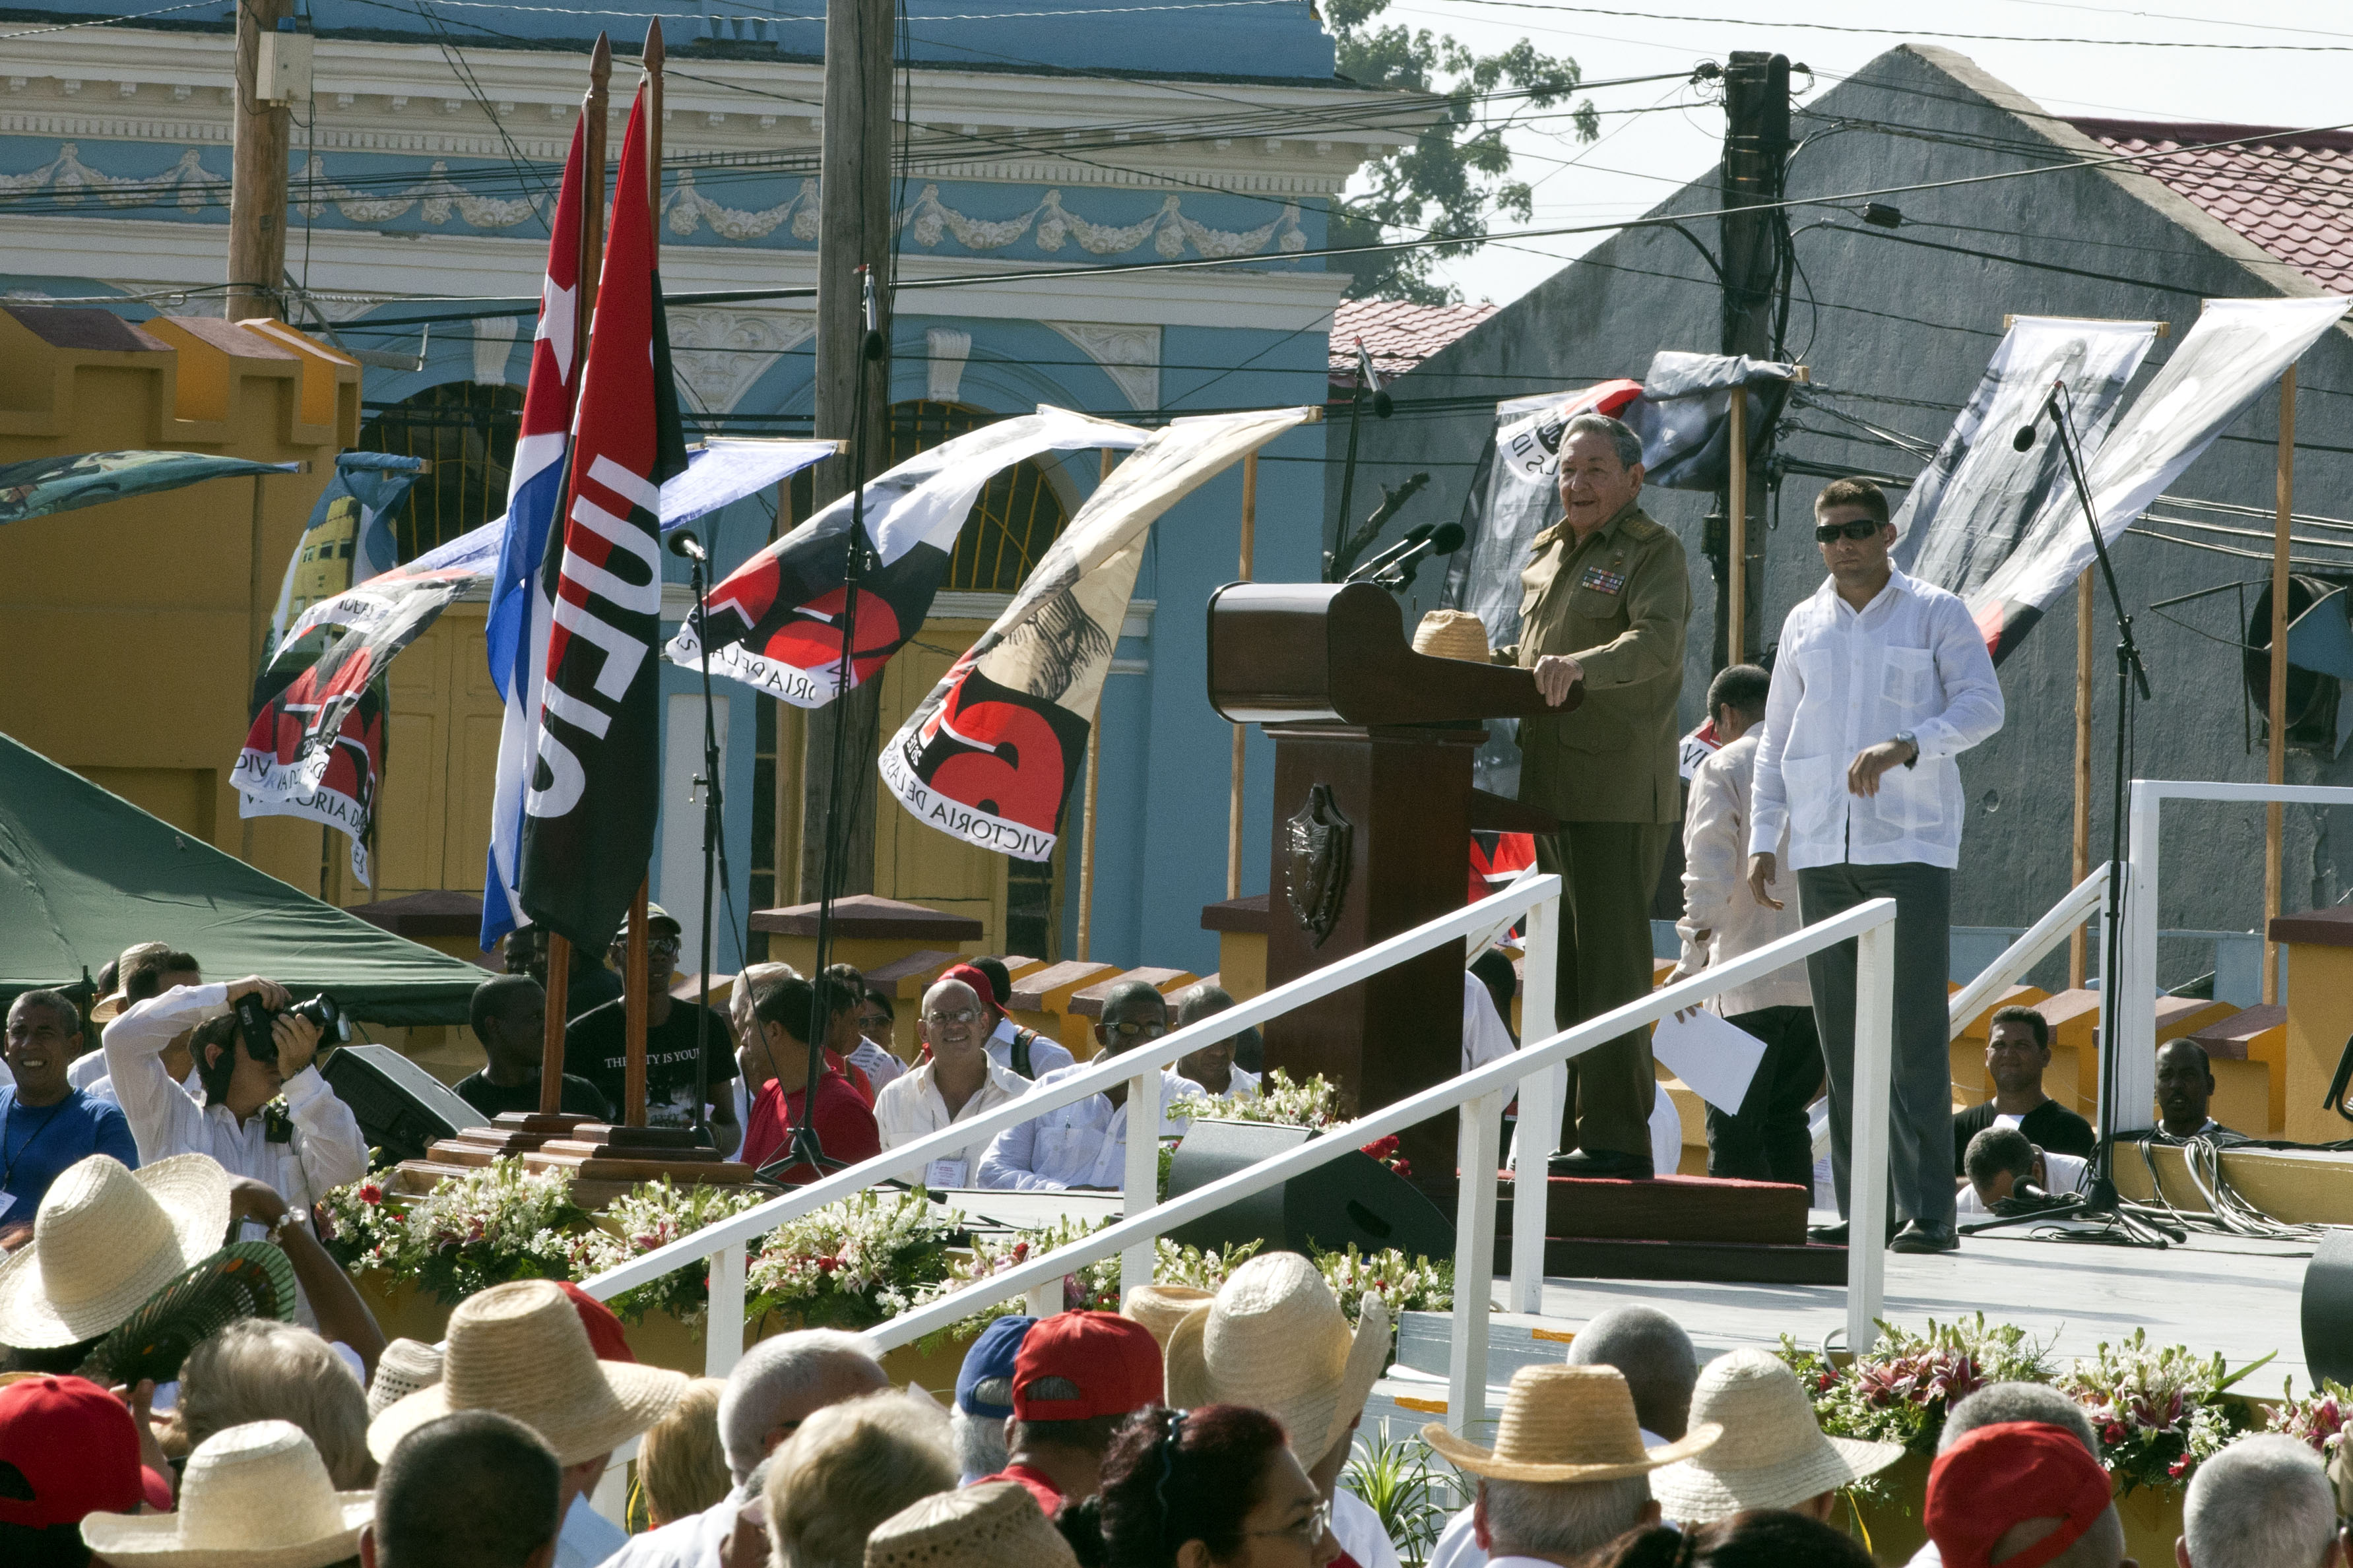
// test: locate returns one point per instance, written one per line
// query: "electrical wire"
(1752, 22)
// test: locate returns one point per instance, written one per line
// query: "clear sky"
(1657, 136)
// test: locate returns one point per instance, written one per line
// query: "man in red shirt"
(844, 1120)
(1078, 1375)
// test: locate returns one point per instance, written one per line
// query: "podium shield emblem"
(1316, 844)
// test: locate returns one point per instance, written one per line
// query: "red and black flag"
(589, 817)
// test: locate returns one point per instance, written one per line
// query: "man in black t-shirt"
(595, 1046)
(508, 1015)
(2018, 1048)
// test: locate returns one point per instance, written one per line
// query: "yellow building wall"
(129, 630)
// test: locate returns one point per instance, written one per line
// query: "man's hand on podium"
(1556, 675)
(1761, 868)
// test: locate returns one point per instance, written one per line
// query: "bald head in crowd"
(1654, 1356)
(782, 1382)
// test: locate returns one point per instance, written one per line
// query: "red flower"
(2179, 1468)
(2114, 1434)
(370, 1193)
(828, 1264)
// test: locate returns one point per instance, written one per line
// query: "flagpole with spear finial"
(636, 982)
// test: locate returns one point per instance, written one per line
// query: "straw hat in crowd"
(993, 1526)
(520, 1349)
(104, 1240)
(255, 1496)
(406, 1367)
(1452, 634)
(1160, 1307)
(1772, 1454)
(1567, 1424)
(1274, 1336)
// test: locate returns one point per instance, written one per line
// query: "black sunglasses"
(1853, 528)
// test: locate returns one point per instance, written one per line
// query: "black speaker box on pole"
(2328, 1307)
(1352, 1199)
(400, 1107)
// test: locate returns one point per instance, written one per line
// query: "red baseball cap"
(978, 981)
(604, 1335)
(1113, 1362)
(1998, 1476)
(77, 1449)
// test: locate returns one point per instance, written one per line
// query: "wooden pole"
(1736, 552)
(636, 989)
(2284, 500)
(1087, 833)
(2079, 940)
(1234, 801)
(593, 108)
(262, 139)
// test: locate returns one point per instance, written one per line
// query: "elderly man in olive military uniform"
(1607, 604)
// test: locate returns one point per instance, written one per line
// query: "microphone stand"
(713, 818)
(805, 1147)
(2132, 677)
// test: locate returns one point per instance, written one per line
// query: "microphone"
(1387, 557)
(2024, 440)
(683, 543)
(1445, 542)
(874, 346)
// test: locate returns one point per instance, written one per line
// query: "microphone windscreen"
(2024, 439)
(1416, 534)
(1447, 540)
(1383, 406)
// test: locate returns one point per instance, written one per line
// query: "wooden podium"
(1374, 809)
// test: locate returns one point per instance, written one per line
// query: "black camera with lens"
(254, 1020)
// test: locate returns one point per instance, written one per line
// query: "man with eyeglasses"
(1607, 606)
(955, 1083)
(596, 1044)
(1881, 682)
(1084, 1144)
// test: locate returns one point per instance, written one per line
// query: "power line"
(1908, 32)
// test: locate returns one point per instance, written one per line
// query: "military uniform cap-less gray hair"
(772, 1374)
(1997, 1403)
(2263, 1502)
(1562, 1518)
(1622, 439)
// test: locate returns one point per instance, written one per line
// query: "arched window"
(469, 431)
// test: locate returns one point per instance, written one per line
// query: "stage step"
(1667, 1208)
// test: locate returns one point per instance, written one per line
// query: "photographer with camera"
(253, 1045)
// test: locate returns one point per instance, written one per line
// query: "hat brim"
(642, 1396)
(1481, 1461)
(153, 1541)
(193, 1190)
(1335, 1407)
(1692, 1493)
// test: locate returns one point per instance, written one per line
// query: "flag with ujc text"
(589, 816)
(516, 634)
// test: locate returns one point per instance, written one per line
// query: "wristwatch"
(1912, 740)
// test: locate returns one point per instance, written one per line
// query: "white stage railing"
(1480, 1095)
(2081, 904)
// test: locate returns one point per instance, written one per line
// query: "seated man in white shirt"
(2000, 1157)
(956, 1083)
(1085, 1144)
(1213, 1067)
(1028, 1053)
(148, 970)
(316, 1149)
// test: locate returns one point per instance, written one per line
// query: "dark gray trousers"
(1920, 1089)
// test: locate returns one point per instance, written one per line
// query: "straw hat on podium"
(1773, 1453)
(1452, 634)
(1567, 1424)
(520, 1349)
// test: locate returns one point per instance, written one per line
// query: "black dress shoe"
(1601, 1163)
(1835, 1235)
(1918, 1238)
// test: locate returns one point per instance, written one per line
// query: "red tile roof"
(1398, 335)
(2289, 192)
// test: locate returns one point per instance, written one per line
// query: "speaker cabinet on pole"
(2328, 1307)
(1352, 1199)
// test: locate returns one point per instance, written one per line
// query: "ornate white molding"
(494, 340)
(945, 349)
(719, 353)
(1129, 355)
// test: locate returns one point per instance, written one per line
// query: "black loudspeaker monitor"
(1355, 1198)
(401, 1107)
(2328, 1307)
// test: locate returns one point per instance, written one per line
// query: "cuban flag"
(520, 611)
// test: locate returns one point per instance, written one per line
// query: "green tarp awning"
(84, 874)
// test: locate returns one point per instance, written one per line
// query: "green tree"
(1458, 172)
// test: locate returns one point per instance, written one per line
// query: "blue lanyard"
(8, 1170)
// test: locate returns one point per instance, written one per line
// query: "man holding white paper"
(1882, 682)
(1764, 1138)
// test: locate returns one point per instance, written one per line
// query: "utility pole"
(854, 233)
(1752, 243)
(257, 202)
